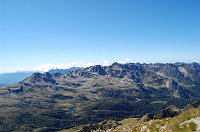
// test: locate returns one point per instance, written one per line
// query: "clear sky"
(36, 33)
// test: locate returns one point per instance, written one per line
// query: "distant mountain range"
(63, 71)
(52, 102)
(16, 77)
(12, 78)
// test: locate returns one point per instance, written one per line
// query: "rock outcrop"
(170, 111)
(100, 127)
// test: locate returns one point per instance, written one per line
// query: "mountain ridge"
(62, 71)
(97, 93)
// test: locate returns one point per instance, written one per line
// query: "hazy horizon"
(41, 35)
(46, 67)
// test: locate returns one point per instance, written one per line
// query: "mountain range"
(12, 78)
(16, 77)
(63, 71)
(97, 93)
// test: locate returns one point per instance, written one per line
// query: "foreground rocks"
(170, 111)
(100, 127)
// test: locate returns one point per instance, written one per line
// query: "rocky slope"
(96, 93)
(169, 119)
(188, 121)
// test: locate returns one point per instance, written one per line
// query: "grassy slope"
(182, 123)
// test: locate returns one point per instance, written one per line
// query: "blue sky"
(54, 32)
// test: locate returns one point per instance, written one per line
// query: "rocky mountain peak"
(40, 79)
(36, 76)
(195, 66)
(115, 64)
(98, 69)
(48, 75)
